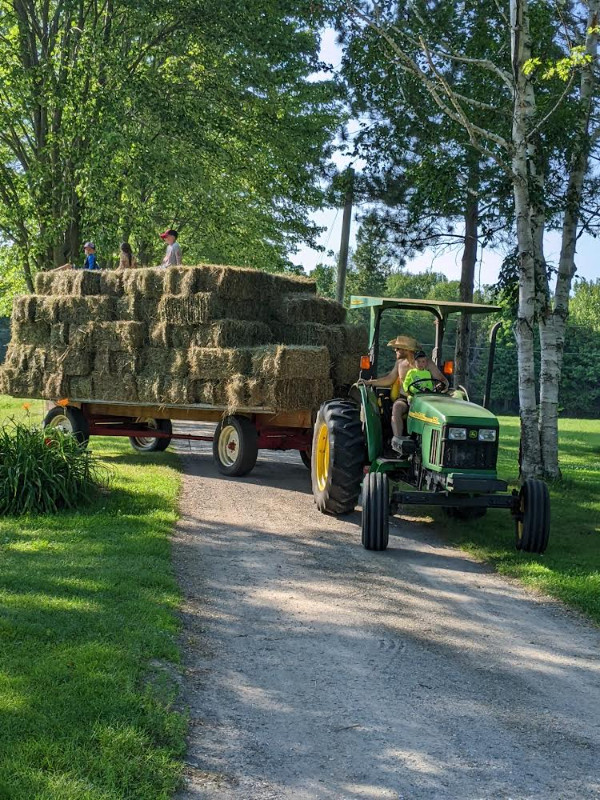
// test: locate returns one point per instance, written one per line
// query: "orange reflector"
(365, 362)
(448, 368)
(63, 403)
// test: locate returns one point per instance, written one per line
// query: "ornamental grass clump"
(44, 471)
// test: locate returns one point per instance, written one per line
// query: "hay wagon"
(237, 439)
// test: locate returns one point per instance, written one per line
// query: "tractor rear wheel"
(375, 511)
(338, 457)
(235, 446)
(533, 520)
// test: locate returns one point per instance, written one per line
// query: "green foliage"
(88, 664)
(584, 307)
(44, 471)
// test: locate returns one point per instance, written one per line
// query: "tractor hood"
(439, 409)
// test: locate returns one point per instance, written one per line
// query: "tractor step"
(404, 445)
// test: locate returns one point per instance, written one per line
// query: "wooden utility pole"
(345, 241)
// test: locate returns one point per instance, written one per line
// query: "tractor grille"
(433, 449)
(469, 454)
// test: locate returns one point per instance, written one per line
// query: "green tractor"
(447, 459)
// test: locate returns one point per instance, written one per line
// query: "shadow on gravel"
(326, 671)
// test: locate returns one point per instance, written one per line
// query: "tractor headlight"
(457, 434)
(487, 435)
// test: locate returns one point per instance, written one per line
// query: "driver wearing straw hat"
(405, 348)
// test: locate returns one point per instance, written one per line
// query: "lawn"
(89, 640)
(570, 568)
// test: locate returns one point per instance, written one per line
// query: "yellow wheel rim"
(322, 457)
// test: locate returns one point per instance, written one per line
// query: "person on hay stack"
(173, 255)
(90, 261)
(405, 348)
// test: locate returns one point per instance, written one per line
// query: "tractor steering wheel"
(438, 386)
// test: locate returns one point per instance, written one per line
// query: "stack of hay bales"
(223, 336)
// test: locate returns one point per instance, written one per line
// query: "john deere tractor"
(447, 459)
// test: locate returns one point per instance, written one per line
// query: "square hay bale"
(356, 339)
(164, 334)
(216, 363)
(56, 386)
(116, 362)
(71, 361)
(111, 282)
(80, 388)
(122, 388)
(37, 333)
(164, 362)
(27, 358)
(290, 283)
(237, 392)
(23, 309)
(78, 282)
(302, 307)
(59, 334)
(193, 309)
(311, 334)
(19, 383)
(79, 310)
(213, 393)
(149, 282)
(80, 336)
(290, 395)
(47, 308)
(187, 280)
(165, 390)
(129, 336)
(291, 361)
(233, 333)
(346, 369)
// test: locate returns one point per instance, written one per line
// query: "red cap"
(170, 232)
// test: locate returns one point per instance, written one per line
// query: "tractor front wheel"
(338, 457)
(375, 511)
(533, 518)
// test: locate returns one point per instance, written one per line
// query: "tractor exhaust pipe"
(490, 367)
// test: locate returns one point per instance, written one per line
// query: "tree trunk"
(523, 118)
(467, 275)
(552, 324)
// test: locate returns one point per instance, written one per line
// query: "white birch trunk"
(523, 116)
(552, 325)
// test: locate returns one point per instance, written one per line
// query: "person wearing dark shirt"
(90, 261)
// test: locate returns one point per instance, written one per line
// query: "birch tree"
(537, 73)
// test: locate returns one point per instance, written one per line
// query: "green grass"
(89, 640)
(570, 568)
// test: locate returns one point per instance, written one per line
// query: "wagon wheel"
(152, 444)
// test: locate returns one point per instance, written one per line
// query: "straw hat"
(404, 343)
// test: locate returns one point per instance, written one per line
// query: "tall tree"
(544, 71)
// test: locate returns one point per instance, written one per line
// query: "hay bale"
(164, 390)
(111, 282)
(288, 395)
(37, 333)
(70, 361)
(193, 309)
(24, 307)
(149, 282)
(78, 282)
(127, 335)
(355, 338)
(46, 309)
(311, 334)
(116, 362)
(303, 307)
(80, 336)
(184, 281)
(59, 334)
(214, 363)
(26, 358)
(164, 334)
(292, 361)
(56, 386)
(164, 361)
(346, 369)
(212, 393)
(79, 310)
(19, 383)
(122, 388)
(232, 333)
(80, 388)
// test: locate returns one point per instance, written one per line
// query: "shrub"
(44, 471)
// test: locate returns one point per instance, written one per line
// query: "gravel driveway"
(315, 669)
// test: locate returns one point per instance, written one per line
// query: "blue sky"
(588, 250)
